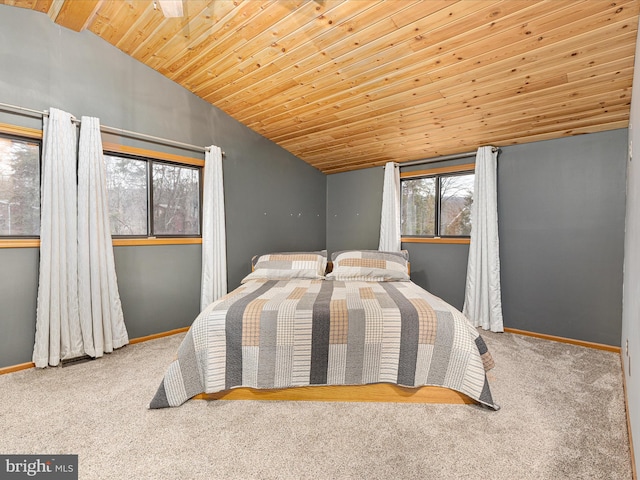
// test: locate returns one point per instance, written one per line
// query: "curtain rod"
(103, 128)
(453, 156)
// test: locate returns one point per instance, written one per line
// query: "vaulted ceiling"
(348, 84)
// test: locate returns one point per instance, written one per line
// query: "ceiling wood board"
(77, 15)
(349, 84)
(273, 127)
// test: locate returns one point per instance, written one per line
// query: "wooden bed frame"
(379, 392)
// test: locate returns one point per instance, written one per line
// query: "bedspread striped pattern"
(278, 334)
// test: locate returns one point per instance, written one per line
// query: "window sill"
(117, 242)
(20, 243)
(133, 242)
(455, 241)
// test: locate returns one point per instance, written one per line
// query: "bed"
(290, 327)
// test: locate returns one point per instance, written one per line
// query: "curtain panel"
(214, 239)
(101, 317)
(58, 332)
(483, 298)
(390, 216)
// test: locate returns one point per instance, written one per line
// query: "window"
(176, 200)
(152, 198)
(437, 204)
(128, 197)
(19, 187)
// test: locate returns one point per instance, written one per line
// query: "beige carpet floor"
(562, 417)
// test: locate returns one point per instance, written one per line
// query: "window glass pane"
(418, 216)
(176, 200)
(127, 190)
(19, 188)
(456, 196)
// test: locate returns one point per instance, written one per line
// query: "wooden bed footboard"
(379, 392)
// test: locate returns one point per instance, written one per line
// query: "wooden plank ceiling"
(348, 84)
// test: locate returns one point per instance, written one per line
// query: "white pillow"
(370, 266)
(287, 265)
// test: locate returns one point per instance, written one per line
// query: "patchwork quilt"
(300, 332)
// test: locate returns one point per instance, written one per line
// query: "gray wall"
(440, 268)
(274, 201)
(561, 213)
(354, 201)
(158, 288)
(18, 293)
(561, 217)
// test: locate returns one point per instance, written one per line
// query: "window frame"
(200, 171)
(147, 193)
(116, 149)
(436, 173)
(31, 136)
(150, 160)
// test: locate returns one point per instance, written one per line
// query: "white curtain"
(101, 318)
(483, 299)
(214, 240)
(58, 334)
(390, 218)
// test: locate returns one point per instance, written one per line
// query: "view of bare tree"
(419, 205)
(176, 197)
(418, 211)
(456, 197)
(19, 187)
(127, 191)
